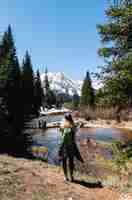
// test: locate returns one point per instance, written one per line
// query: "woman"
(68, 149)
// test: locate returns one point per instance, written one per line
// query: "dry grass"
(112, 113)
(35, 180)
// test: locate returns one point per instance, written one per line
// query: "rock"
(76, 114)
(83, 142)
(91, 142)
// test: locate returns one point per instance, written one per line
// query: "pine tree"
(13, 140)
(38, 93)
(9, 76)
(46, 89)
(117, 72)
(75, 101)
(47, 86)
(28, 84)
(49, 96)
(87, 92)
(59, 100)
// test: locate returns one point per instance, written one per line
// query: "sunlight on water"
(51, 138)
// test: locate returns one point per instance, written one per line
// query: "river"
(51, 138)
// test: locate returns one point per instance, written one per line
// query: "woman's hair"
(68, 117)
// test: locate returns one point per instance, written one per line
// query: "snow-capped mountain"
(63, 84)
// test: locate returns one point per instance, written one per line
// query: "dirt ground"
(35, 180)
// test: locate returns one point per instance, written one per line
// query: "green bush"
(122, 153)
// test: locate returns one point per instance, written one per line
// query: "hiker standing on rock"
(68, 148)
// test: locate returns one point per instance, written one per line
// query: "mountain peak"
(62, 83)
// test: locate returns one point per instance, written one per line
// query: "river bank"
(98, 124)
(35, 180)
(95, 145)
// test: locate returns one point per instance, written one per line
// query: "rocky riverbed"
(105, 123)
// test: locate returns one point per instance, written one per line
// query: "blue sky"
(59, 34)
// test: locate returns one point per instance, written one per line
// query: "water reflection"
(105, 134)
(51, 138)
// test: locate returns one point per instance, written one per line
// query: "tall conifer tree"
(75, 101)
(28, 84)
(117, 72)
(13, 140)
(10, 77)
(38, 93)
(49, 96)
(87, 93)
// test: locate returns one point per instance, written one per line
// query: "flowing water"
(51, 138)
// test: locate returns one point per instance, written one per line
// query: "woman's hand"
(81, 124)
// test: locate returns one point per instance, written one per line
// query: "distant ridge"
(61, 83)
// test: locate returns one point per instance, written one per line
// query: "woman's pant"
(68, 163)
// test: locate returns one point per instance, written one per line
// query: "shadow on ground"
(89, 185)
